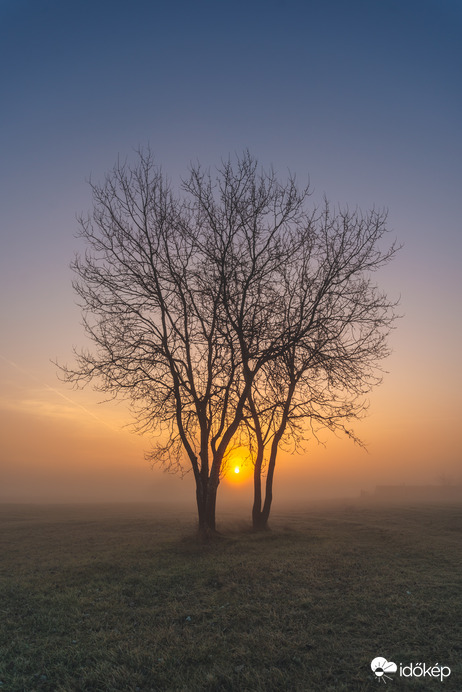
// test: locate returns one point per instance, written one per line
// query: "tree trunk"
(256, 509)
(260, 518)
(206, 514)
(210, 509)
(268, 494)
(260, 515)
(259, 523)
(206, 503)
(257, 496)
(200, 500)
(207, 522)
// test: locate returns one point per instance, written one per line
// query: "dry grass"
(120, 598)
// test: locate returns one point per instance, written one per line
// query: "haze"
(363, 99)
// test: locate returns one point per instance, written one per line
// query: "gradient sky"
(362, 98)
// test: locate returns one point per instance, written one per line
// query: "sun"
(238, 469)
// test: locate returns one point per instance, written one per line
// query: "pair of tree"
(229, 312)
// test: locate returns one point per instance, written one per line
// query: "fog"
(50, 460)
(73, 449)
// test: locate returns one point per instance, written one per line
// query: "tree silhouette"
(225, 308)
(339, 323)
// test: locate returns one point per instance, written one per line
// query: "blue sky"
(363, 98)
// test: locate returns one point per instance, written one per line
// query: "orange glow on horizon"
(78, 450)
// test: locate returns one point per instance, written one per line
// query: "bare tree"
(181, 298)
(226, 308)
(336, 322)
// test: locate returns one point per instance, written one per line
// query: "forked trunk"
(260, 516)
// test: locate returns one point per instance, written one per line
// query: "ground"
(125, 598)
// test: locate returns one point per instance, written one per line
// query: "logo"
(381, 667)
(422, 670)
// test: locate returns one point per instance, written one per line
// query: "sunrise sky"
(362, 98)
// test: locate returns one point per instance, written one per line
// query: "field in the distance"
(123, 598)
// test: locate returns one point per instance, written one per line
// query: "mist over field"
(299, 482)
(78, 458)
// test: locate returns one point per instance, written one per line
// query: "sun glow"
(238, 468)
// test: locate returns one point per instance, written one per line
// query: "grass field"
(124, 598)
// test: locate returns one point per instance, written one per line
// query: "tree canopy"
(229, 310)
